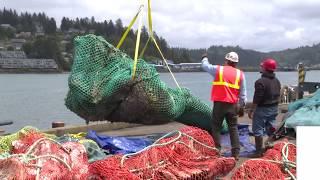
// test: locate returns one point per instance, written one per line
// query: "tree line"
(49, 45)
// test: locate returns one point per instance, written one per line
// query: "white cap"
(232, 56)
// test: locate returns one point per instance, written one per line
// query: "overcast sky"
(263, 25)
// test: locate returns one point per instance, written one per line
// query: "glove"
(250, 114)
(204, 55)
(240, 110)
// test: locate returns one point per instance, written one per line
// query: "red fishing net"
(186, 154)
(36, 157)
(277, 163)
(12, 168)
(110, 169)
(25, 141)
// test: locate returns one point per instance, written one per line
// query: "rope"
(30, 157)
(152, 145)
(285, 162)
(170, 134)
(42, 139)
(78, 135)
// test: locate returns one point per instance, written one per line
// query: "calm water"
(38, 99)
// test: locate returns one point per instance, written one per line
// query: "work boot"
(268, 144)
(259, 151)
(235, 154)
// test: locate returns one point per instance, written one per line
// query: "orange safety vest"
(226, 84)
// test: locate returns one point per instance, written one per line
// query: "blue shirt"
(212, 69)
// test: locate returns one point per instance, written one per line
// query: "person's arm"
(243, 92)
(206, 66)
(257, 98)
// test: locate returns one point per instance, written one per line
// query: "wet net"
(185, 154)
(101, 87)
(276, 163)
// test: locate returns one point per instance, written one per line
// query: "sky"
(262, 25)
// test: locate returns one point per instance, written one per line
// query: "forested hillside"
(46, 40)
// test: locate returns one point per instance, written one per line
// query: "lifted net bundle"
(101, 87)
(186, 154)
(276, 163)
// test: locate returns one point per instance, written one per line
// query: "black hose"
(3, 123)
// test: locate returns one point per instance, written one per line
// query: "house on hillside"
(161, 62)
(23, 35)
(75, 31)
(17, 61)
(7, 26)
(13, 54)
(17, 43)
(39, 30)
(14, 63)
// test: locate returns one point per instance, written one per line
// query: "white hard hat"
(232, 56)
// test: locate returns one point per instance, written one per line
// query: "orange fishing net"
(277, 163)
(185, 154)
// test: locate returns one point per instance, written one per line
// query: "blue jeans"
(264, 120)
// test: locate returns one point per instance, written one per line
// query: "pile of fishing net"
(101, 87)
(6, 141)
(304, 112)
(186, 154)
(35, 156)
(276, 163)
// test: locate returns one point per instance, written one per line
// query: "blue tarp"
(118, 144)
(246, 148)
(124, 145)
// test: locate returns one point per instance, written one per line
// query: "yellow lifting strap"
(150, 29)
(155, 42)
(144, 48)
(150, 18)
(137, 46)
(221, 82)
(140, 12)
(129, 28)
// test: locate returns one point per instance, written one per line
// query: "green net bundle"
(101, 88)
(304, 112)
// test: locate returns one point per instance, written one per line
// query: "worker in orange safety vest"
(229, 96)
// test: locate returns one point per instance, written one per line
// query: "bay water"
(38, 99)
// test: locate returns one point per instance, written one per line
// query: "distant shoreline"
(55, 71)
(29, 71)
